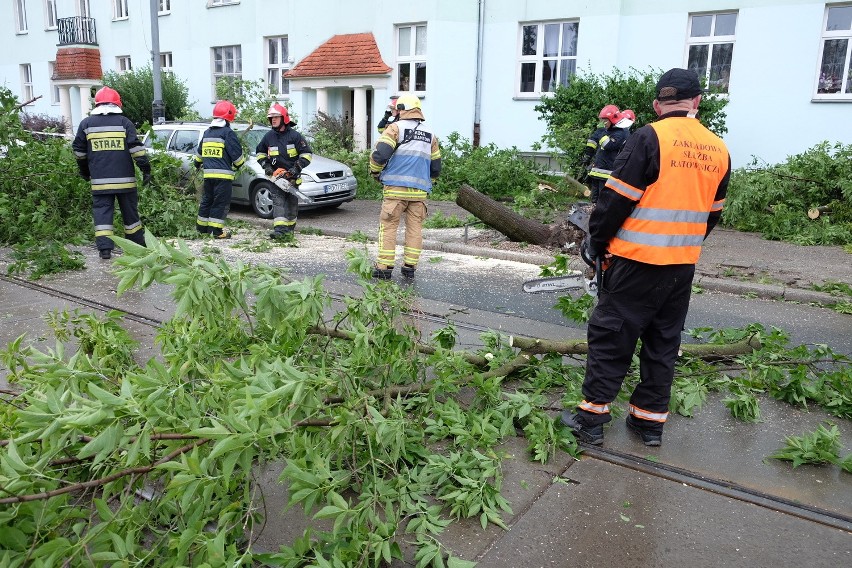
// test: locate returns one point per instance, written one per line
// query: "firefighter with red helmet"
(283, 152)
(628, 119)
(610, 143)
(106, 146)
(391, 114)
(220, 154)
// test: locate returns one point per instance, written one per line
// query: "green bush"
(136, 88)
(252, 99)
(330, 133)
(499, 173)
(571, 114)
(774, 200)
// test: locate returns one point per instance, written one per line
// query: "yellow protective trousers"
(398, 201)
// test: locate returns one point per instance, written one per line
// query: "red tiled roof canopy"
(345, 54)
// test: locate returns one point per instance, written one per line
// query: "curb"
(765, 291)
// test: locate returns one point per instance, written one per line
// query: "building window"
(20, 16)
(27, 82)
(277, 63)
(711, 48)
(119, 10)
(411, 58)
(165, 7)
(211, 3)
(122, 63)
(835, 70)
(50, 14)
(548, 57)
(166, 61)
(54, 88)
(227, 65)
(83, 9)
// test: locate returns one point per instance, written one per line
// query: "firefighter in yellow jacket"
(406, 159)
(663, 198)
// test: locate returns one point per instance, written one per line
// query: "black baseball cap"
(678, 84)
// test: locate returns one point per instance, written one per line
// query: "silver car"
(325, 182)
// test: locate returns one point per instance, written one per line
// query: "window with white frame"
(27, 82)
(20, 16)
(50, 14)
(54, 88)
(227, 64)
(83, 10)
(122, 63)
(710, 48)
(277, 63)
(119, 10)
(411, 58)
(166, 61)
(834, 80)
(547, 57)
(165, 7)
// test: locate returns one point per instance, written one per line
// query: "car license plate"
(330, 187)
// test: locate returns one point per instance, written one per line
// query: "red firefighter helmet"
(609, 112)
(226, 110)
(628, 113)
(105, 95)
(277, 109)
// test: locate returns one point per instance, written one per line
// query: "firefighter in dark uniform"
(391, 115)
(664, 197)
(106, 146)
(587, 158)
(283, 152)
(609, 144)
(221, 154)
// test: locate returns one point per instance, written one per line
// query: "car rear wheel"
(261, 199)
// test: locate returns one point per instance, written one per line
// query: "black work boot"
(649, 437)
(282, 235)
(106, 254)
(593, 435)
(382, 273)
(408, 270)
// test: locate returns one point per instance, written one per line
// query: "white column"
(359, 118)
(322, 100)
(85, 103)
(65, 106)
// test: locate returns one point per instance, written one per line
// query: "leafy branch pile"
(775, 200)
(45, 206)
(388, 436)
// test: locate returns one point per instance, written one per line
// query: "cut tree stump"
(562, 235)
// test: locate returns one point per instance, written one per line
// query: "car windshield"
(252, 137)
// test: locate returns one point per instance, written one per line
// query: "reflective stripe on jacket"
(107, 145)
(220, 153)
(609, 145)
(670, 220)
(410, 154)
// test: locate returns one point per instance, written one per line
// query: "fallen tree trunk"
(517, 227)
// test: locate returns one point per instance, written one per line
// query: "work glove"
(268, 171)
(387, 113)
(588, 252)
(198, 165)
(376, 175)
(294, 172)
(146, 178)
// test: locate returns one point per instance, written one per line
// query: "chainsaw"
(576, 280)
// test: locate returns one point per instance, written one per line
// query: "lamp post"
(158, 107)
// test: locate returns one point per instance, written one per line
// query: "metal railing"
(77, 30)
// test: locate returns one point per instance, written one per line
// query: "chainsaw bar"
(555, 284)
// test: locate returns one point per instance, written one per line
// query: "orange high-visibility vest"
(668, 224)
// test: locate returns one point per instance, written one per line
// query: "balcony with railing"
(77, 30)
